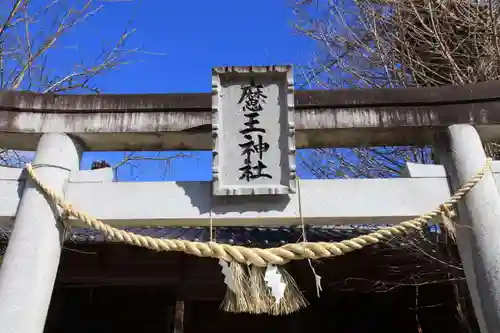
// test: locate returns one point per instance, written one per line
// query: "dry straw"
(248, 264)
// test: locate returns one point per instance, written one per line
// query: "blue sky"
(195, 36)
(182, 41)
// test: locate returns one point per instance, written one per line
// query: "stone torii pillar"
(478, 233)
(30, 264)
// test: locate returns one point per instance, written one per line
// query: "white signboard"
(253, 130)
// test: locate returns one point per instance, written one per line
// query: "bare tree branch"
(32, 32)
(399, 43)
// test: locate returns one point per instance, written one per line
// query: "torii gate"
(454, 119)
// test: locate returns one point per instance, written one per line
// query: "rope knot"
(446, 212)
(448, 225)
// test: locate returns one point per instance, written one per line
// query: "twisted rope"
(257, 256)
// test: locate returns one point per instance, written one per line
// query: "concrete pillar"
(30, 264)
(478, 234)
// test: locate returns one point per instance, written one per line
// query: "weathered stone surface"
(253, 131)
(324, 202)
(183, 121)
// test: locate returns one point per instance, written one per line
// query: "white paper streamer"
(273, 280)
(228, 276)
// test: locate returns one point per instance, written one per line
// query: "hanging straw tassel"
(252, 295)
(448, 224)
(263, 302)
(260, 295)
(293, 300)
(237, 301)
